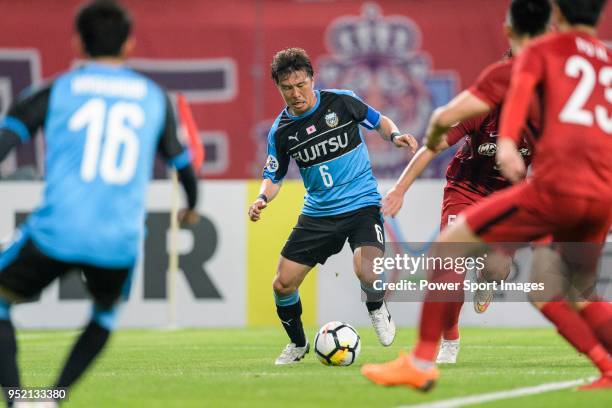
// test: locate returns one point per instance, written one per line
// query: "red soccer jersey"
(474, 167)
(572, 75)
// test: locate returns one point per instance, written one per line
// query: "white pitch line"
(493, 396)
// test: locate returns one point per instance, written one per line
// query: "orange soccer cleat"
(604, 382)
(401, 371)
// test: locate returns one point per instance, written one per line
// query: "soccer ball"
(337, 344)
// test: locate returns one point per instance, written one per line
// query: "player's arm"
(178, 157)
(482, 97)
(526, 74)
(23, 119)
(274, 171)
(394, 199)
(370, 118)
(389, 131)
(267, 192)
(514, 115)
(464, 106)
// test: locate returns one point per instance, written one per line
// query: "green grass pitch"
(234, 368)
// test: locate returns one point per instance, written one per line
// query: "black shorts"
(25, 271)
(314, 239)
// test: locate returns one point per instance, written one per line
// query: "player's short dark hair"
(290, 60)
(103, 26)
(581, 11)
(530, 17)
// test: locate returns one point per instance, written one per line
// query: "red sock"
(451, 321)
(436, 306)
(578, 333)
(598, 316)
(430, 330)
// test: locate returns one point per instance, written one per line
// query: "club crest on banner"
(379, 58)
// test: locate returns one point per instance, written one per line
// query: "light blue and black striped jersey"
(103, 125)
(329, 149)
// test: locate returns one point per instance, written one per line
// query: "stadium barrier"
(227, 264)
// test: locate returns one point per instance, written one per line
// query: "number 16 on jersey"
(111, 144)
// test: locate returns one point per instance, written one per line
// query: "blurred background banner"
(227, 264)
(404, 57)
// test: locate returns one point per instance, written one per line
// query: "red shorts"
(454, 202)
(527, 212)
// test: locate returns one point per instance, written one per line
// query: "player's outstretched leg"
(289, 277)
(449, 346)
(384, 326)
(418, 370)
(577, 332)
(88, 346)
(598, 316)
(9, 373)
(289, 310)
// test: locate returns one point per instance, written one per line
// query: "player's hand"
(509, 160)
(392, 202)
(188, 217)
(406, 140)
(256, 208)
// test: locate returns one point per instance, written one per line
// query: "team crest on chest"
(331, 119)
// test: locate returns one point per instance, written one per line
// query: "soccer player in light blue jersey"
(320, 130)
(103, 124)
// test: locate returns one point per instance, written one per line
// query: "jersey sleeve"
(461, 129)
(492, 84)
(169, 147)
(27, 114)
(530, 62)
(527, 73)
(361, 112)
(277, 162)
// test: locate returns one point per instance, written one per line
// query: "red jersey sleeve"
(531, 61)
(492, 83)
(527, 72)
(461, 129)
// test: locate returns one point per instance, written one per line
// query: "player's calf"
(9, 373)
(289, 310)
(88, 346)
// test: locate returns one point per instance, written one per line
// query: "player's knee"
(105, 317)
(283, 288)
(364, 259)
